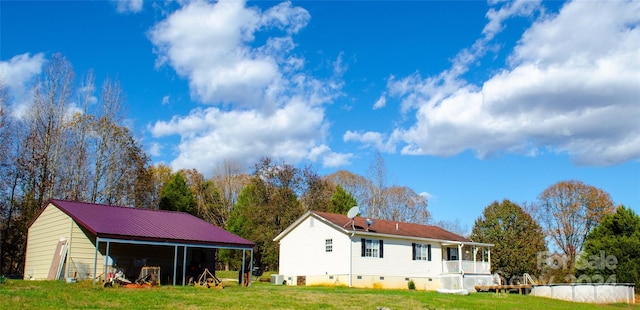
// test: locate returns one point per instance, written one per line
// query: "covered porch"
(466, 258)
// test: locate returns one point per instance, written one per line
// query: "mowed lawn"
(19, 294)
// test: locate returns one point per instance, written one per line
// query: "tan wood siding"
(43, 236)
(82, 251)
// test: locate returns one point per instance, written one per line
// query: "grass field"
(19, 294)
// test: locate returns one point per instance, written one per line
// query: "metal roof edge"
(374, 234)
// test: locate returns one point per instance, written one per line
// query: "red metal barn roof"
(393, 228)
(150, 225)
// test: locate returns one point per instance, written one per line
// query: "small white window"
(328, 245)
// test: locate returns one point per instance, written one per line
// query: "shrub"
(411, 285)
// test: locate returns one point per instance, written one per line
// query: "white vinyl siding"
(303, 251)
(397, 260)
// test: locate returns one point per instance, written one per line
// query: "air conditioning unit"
(277, 279)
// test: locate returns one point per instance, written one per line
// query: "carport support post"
(175, 264)
(242, 269)
(106, 260)
(251, 266)
(95, 261)
(184, 265)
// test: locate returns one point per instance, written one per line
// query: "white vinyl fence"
(587, 292)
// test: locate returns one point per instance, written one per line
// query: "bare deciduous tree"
(229, 179)
(403, 204)
(378, 176)
(568, 210)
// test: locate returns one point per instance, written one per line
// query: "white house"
(332, 249)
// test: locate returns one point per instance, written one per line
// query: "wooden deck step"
(497, 288)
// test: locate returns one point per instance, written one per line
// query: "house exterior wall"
(304, 260)
(42, 238)
(303, 253)
(396, 267)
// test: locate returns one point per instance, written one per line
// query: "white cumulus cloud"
(571, 86)
(269, 105)
(128, 6)
(17, 75)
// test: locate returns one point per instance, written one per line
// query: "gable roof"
(380, 227)
(128, 223)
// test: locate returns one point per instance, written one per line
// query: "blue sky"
(467, 101)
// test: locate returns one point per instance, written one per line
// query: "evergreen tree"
(176, 196)
(341, 201)
(517, 237)
(613, 249)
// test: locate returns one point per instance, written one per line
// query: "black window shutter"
(413, 248)
(363, 246)
(429, 252)
(381, 249)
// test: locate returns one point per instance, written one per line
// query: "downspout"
(351, 259)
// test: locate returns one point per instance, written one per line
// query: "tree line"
(70, 141)
(572, 233)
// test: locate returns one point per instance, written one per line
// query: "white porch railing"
(468, 266)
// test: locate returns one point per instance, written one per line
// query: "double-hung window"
(421, 251)
(372, 248)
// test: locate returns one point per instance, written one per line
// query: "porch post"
(489, 257)
(460, 257)
(460, 265)
(475, 252)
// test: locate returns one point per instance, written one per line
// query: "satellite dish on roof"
(353, 212)
(369, 222)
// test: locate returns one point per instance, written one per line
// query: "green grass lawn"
(19, 294)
